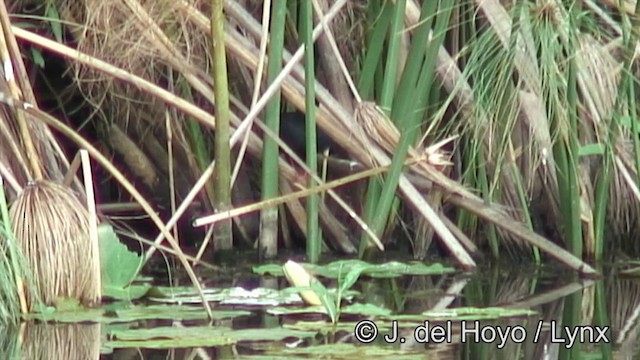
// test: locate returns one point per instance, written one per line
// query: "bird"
(292, 133)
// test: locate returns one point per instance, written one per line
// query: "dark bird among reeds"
(292, 132)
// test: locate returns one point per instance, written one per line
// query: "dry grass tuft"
(51, 227)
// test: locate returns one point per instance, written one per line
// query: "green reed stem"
(483, 181)
(393, 55)
(314, 240)
(388, 89)
(603, 181)
(524, 205)
(222, 176)
(269, 216)
(411, 108)
(575, 223)
(374, 51)
(10, 269)
(198, 144)
(368, 75)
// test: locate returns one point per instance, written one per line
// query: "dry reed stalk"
(377, 126)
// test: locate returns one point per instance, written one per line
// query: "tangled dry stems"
(112, 32)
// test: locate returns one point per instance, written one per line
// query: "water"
(436, 318)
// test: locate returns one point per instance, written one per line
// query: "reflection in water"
(35, 341)
(9, 342)
(573, 317)
(563, 305)
(623, 297)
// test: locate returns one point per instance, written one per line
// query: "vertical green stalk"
(386, 99)
(571, 319)
(368, 75)
(575, 229)
(522, 197)
(314, 241)
(372, 195)
(393, 52)
(269, 216)
(198, 144)
(10, 269)
(483, 180)
(601, 317)
(222, 179)
(404, 101)
(470, 175)
(292, 11)
(603, 181)
(410, 107)
(374, 51)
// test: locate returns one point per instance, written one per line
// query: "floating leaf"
(174, 312)
(385, 270)
(347, 351)
(473, 313)
(182, 337)
(232, 296)
(119, 266)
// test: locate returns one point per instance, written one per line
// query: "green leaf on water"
(354, 309)
(351, 351)
(352, 276)
(181, 337)
(131, 292)
(174, 312)
(474, 313)
(366, 310)
(281, 310)
(230, 296)
(119, 266)
(269, 269)
(385, 270)
(327, 298)
(67, 310)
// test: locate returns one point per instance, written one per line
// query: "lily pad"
(231, 296)
(473, 313)
(79, 314)
(174, 312)
(342, 267)
(181, 337)
(119, 267)
(355, 309)
(351, 351)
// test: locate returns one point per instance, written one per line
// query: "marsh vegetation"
(469, 131)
